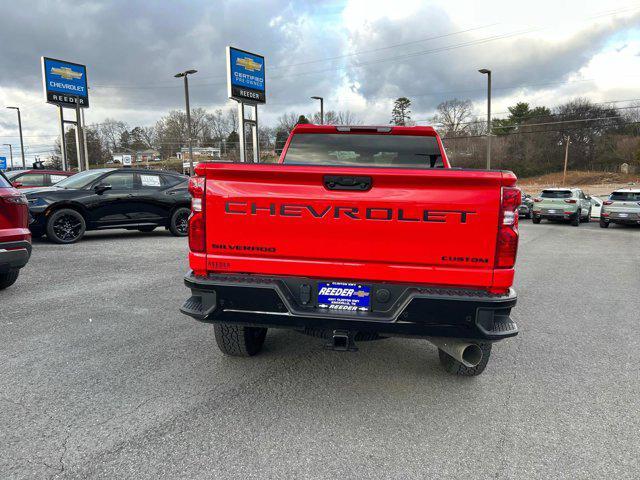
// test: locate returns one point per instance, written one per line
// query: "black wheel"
(452, 365)
(65, 226)
(536, 220)
(575, 219)
(604, 224)
(147, 229)
(8, 278)
(238, 341)
(179, 222)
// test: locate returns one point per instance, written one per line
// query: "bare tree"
(287, 121)
(110, 132)
(453, 116)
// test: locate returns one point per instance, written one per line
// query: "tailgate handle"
(341, 182)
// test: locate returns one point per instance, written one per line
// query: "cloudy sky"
(358, 54)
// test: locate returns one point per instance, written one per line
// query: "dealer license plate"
(552, 211)
(623, 215)
(344, 296)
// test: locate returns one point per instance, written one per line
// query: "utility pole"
(185, 75)
(10, 153)
(487, 72)
(566, 159)
(24, 164)
(321, 108)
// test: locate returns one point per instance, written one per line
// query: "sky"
(358, 54)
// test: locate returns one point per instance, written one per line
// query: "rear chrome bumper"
(407, 310)
(14, 255)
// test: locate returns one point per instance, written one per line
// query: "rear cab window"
(364, 150)
(556, 194)
(625, 197)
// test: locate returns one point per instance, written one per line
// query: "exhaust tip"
(472, 355)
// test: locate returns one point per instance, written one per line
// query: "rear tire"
(454, 367)
(575, 219)
(179, 222)
(536, 220)
(604, 224)
(65, 226)
(8, 278)
(238, 341)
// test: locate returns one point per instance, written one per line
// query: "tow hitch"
(342, 341)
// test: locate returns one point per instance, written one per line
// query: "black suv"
(110, 198)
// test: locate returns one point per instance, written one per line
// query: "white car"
(596, 207)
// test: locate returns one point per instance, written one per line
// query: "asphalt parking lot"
(102, 377)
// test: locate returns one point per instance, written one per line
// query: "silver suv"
(562, 204)
(623, 206)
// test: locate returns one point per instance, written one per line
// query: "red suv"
(15, 238)
(36, 177)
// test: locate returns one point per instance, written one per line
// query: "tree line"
(531, 141)
(527, 140)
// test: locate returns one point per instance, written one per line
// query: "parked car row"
(91, 200)
(575, 206)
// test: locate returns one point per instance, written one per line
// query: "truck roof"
(382, 129)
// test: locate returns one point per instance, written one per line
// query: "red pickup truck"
(358, 233)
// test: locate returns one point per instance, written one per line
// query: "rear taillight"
(17, 199)
(570, 200)
(607, 202)
(537, 199)
(507, 241)
(197, 233)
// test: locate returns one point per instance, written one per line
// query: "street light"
(321, 108)
(185, 74)
(10, 152)
(487, 72)
(24, 165)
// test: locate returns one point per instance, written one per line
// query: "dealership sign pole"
(65, 85)
(246, 85)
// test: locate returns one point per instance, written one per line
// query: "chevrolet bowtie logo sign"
(66, 73)
(249, 64)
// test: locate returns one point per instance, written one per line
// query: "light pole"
(321, 108)
(488, 73)
(24, 165)
(185, 74)
(10, 153)
(567, 141)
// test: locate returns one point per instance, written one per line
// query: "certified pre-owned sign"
(65, 83)
(245, 76)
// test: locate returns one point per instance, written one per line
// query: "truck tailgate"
(434, 226)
